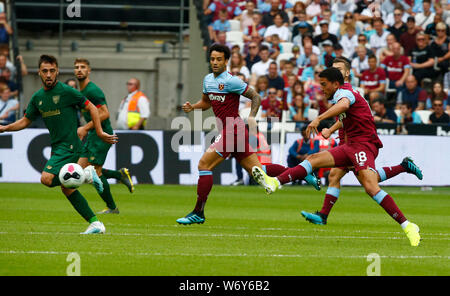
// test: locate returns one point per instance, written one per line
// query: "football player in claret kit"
(359, 150)
(95, 150)
(337, 173)
(57, 103)
(221, 91)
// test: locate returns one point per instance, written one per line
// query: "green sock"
(106, 195)
(81, 206)
(55, 181)
(111, 174)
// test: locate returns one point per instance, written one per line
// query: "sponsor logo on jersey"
(50, 113)
(219, 98)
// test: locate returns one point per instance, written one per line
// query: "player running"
(221, 91)
(359, 150)
(57, 103)
(95, 150)
(337, 173)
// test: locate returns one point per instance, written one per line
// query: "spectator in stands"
(231, 6)
(377, 40)
(277, 28)
(72, 82)
(373, 80)
(362, 40)
(408, 39)
(5, 29)
(308, 39)
(441, 48)
(268, 18)
(252, 56)
(288, 69)
(431, 28)
(333, 27)
(222, 39)
(438, 92)
(297, 108)
(397, 67)
(237, 61)
(407, 116)
(6, 78)
(247, 15)
(349, 21)
(341, 7)
(425, 17)
(275, 80)
(256, 30)
(412, 94)
(361, 62)
(381, 114)
(302, 27)
(319, 39)
(349, 41)
(422, 59)
(261, 67)
(262, 86)
(387, 51)
(313, 89)
(313, 9)
(272, 106)
(438, 115)
(398, 26)
(295, 89)
(301, 149)
(298, 12)
(308, 72)
(220, 25)
(8, 106)
(134, 109)
(327, 57)
(275, 47)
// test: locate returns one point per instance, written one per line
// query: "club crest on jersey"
(221, 86)
(55, 99)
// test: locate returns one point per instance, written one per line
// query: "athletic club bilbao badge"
(55, 99)
(221, 86)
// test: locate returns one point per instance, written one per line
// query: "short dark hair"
(372, 56)
(332, 74)
(47, 59)
(263, 47)
(220, 48)
(345, 61)
(82, 60)
(378, 100)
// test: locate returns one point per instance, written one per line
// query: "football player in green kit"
(57, 103)
(95, 150)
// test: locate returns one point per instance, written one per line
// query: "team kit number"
(361, 157)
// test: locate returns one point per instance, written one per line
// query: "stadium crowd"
(399, 51)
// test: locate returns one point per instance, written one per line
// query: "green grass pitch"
(246, 233)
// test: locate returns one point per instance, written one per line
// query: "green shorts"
(95, 150)
(58, 158)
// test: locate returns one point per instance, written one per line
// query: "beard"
(80, 79)
(49, 83)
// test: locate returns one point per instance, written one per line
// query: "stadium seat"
(284, 56)
(235, 36)
(287, 47)
(424, 115)
(312, 114)
(235, 25)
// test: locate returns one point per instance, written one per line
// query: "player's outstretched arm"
(203, 104)
(111, 139)
(327, 132)
(103, 113)
(20, 124)
(340, 107)
(256, 101)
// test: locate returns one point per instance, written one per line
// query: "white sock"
(404, 224)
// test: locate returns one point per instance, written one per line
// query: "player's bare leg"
(210, 159)
(369, 180)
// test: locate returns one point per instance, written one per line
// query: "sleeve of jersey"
(237, 85)
(78, 99)
(32, 112)
(343, 93)
(204, 86)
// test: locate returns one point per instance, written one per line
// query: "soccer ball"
(71, 175)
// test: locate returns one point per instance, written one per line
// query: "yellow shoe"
(412, 232)
(270, 184)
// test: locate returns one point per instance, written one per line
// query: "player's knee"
(372, 190)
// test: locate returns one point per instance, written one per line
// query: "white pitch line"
(300, 229)
(147, 254)
(225, 235)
